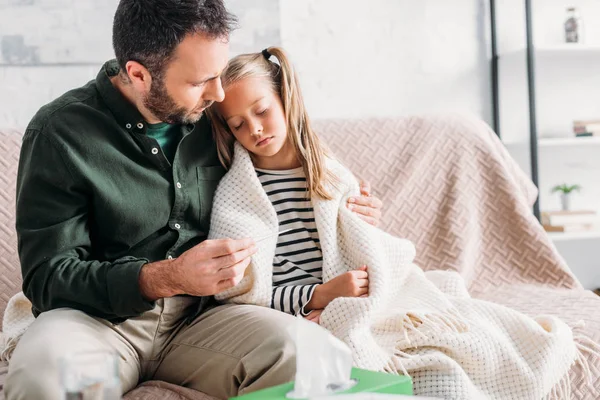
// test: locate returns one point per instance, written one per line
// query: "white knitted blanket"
(422, 324)
(17, 318)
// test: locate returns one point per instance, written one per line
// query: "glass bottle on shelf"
(573, 26)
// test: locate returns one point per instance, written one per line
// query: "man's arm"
(57, 260)
(52, 214)
(204, 270)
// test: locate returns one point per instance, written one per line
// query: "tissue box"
(368, 381)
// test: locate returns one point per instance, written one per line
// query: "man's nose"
(216, 92)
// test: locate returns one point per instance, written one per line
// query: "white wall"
(356, 58)
(548, 19)
(47, 48)
(389, 57)
(50, 46)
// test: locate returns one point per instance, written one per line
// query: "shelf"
(563, 237)
(569, 141)
(558, 49)
(558, 142)
(570, 48)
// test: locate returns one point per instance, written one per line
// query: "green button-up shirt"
(97, 199)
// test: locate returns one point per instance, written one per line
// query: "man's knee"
(34, 369)
(33, 374)
(283, 349)
(273, 362)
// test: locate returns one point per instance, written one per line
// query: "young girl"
(285, 190)
(290, 164)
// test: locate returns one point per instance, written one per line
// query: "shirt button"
(154, 150)
(128, 126)
(140, 125)
(178, 185)
(170, 257)
(177, 226)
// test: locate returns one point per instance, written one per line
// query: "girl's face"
(255, 116)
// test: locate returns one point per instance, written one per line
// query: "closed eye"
(262, 112)
(204, 82)
(235, 128)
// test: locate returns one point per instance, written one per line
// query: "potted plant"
(565, 193)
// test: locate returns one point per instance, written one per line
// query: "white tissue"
(323, 362)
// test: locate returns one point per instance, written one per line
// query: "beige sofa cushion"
(449, 185)
(10, 271)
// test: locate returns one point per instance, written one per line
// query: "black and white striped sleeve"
(292, 299)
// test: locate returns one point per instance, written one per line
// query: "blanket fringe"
(419, 324)
(585, 347)
(561, 391)
(7, 347)
(415, 324)
(396, 364)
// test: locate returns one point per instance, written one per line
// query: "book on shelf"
(586, 128)
(588, 134)
(569, 228)
(578, 122)
(565, 218)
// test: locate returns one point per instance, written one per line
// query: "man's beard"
(164, 108)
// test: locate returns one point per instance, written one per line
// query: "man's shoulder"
(60, 110)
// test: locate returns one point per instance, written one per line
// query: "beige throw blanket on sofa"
(422, 324)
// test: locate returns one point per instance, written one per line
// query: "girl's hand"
(367, 207)
(349, 284)
(314, 316)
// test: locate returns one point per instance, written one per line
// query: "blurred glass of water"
(91, 376)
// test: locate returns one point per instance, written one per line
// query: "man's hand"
(349, 284)
(367, 207)
(204, 270)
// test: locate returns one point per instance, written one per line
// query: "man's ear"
(139, 76)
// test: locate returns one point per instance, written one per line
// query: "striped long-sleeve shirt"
(297, 267)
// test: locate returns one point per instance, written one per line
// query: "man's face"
(191, 81)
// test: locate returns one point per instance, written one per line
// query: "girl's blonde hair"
(311, 152)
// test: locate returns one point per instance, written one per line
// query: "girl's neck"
(284, 160)
(276, 164)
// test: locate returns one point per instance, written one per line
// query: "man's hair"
(148, 31)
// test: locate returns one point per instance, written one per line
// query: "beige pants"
(226, 351)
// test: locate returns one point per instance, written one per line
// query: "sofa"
(479, 224)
